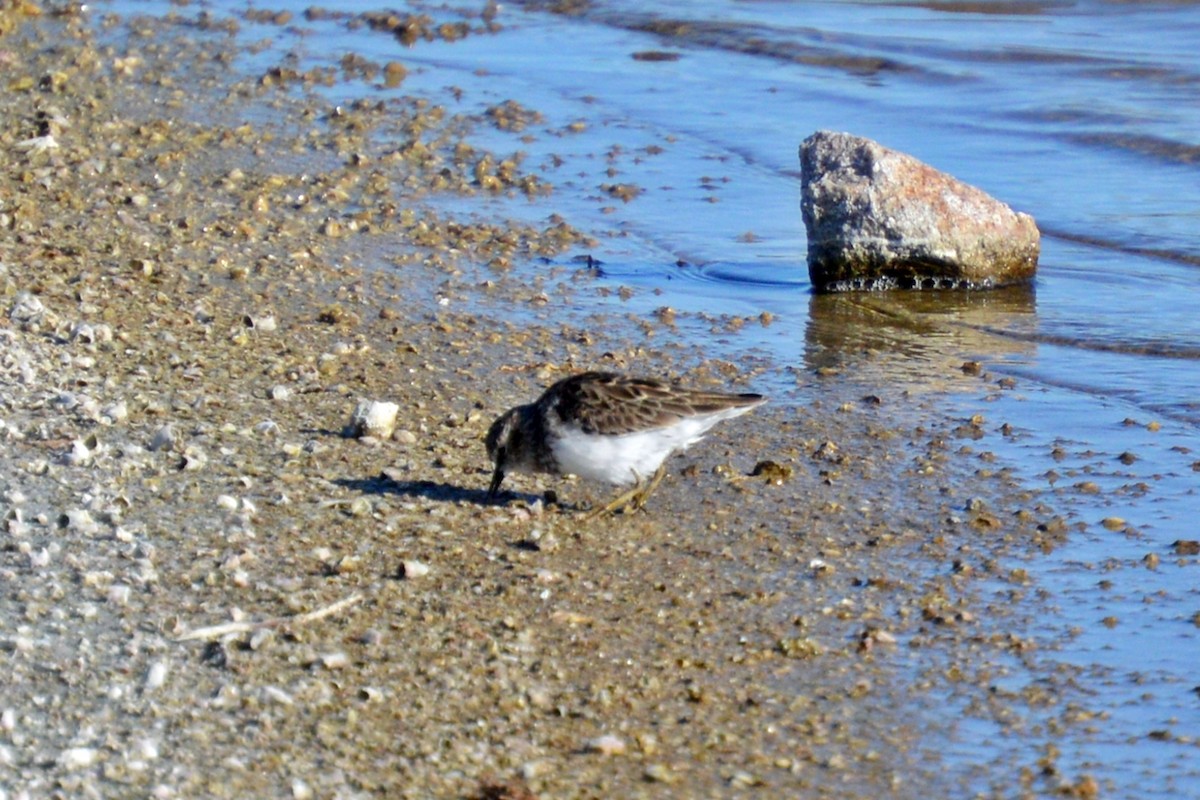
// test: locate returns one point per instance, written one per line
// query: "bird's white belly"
(625, 459)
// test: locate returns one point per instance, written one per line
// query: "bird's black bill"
(494, 489)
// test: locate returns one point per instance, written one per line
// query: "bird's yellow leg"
(640, 500)
(632, 499)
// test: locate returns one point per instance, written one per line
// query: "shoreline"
(736, 637)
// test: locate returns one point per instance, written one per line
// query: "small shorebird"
(610, 428)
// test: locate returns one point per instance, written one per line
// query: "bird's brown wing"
(609, 404)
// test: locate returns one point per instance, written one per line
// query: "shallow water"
(1085, 115)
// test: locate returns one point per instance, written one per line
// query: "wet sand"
(193, 305)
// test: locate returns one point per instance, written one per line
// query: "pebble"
(79, 520)
(265, 323)
(372, 418)
(194, 458)
(164, 439)
(156, 676)
(114, 413)
(267, 428)
(338, 660)
(27, 311)
(260, 638)
(414, 569)
(77, 757)
(118, 594)
(606, 745)
(659, 773)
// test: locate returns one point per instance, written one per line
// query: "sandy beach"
(192, 307)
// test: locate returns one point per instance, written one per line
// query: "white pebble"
(147, 749)
(337, 660)
(114, 413)
(265, 323)
(77, 757)
(278, 695)
(260, 637)
(606, 745)
(8, 720)
(27, 310)
(227, 502)
(164, 438)
(156, 676)
(79, 520)
(415, 569)
(373, 418)
(194, 458)
(267, 427)
(79, 456)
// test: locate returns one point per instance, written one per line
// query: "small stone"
(260, 638)
(264, 323)
(156, 676)
(372, 418)
(277, 695)
(414, 569)
(338, 660)
(114, 413)
(79, 520)
(267, 427)
(193, 458)
(659, 773)
(164, 439)
(77, 757)
(744, 779)
(27, 311)
(606, 745)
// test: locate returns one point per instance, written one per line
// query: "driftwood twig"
(217, 631)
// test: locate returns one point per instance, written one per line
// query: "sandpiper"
(610, 428)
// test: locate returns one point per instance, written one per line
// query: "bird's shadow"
(431, 490)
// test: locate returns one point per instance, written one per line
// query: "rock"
(414, 569)
(372, 418)
(879, 219)
(606, 745)
(28, 312)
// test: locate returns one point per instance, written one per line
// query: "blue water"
(1084, 114)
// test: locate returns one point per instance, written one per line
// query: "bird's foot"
(630, 500)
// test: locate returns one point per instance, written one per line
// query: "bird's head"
(503, 439)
